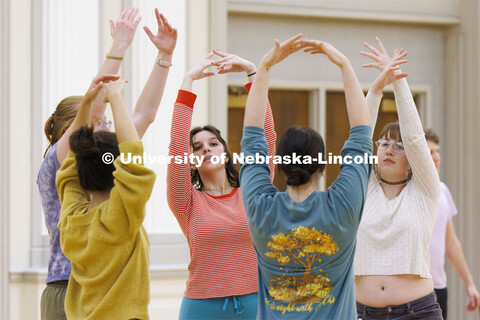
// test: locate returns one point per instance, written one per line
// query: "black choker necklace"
(395, 183)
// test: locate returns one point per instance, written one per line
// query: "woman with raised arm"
(304, 238)
(58, 131)
(392, 276)
(103, 207)
(205, 198)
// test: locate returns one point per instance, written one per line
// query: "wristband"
(164, 63)
(113, 57)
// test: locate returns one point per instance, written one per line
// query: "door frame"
(318, 101)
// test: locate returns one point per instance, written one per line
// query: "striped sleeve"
(270, 133)
(179, 186)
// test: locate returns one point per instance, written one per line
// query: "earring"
(377, 174)
(409, 173)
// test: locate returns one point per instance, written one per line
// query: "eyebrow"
(212, 138)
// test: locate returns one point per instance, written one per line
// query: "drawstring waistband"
(237, 305)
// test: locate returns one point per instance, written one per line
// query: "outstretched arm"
(122, 33)
(124, 128)
(257, 99)
(149, 100)
(389, 72)
(84, 113)
(233, 63)
(179, 185)
(255, 179)
(356, 106)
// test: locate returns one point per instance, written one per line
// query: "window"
(67, 53)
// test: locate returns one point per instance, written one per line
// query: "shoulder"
(50, 163)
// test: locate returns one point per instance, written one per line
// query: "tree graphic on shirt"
(303, 247)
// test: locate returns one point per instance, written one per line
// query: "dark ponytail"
(303, 141)
(89, 147)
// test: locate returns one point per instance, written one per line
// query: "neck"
(302, 192)
(98, 197)
(216, 183)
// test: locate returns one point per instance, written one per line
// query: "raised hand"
(124, 29)
(113, 89)
(380, 56)
(282, 50)
(166, 37)
(96, 85)
(389, 66)
(233, 63)
(198, 71)
(316, 46)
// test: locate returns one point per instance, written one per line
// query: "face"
(206, 144)
(434, 152)
(392, 164)
(103, 125)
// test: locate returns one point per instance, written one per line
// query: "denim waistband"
(405, 308)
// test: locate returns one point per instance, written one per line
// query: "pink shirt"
(446, 211)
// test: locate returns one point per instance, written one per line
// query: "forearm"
(124, 128)
(456, 257)
(83, 116)
(149, 100)
(179, 186)
(373, 103)
(407, 111)
(187, 83)
(255, 109)
(109, 66)
(356, 106)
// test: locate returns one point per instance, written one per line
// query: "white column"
(4, 147)
(462, 130)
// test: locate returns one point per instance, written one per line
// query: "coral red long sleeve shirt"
(222, 258)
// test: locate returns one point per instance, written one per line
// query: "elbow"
(146, 118)
(452, 248)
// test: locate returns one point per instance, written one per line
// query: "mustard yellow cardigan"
(108, 246)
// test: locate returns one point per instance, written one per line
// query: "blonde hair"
(61, 119)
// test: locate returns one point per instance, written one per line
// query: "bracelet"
(251, 74)
(113, 57)
(164, 63)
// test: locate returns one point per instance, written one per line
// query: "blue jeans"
(235, 307)
(425, 308)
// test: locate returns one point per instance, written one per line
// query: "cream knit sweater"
(394, 235)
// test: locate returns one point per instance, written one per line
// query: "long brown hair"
(61, 119)
(230, 169)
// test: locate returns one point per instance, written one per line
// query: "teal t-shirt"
(305, 250)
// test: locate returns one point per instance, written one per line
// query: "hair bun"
(298, 176)
(83, 142)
